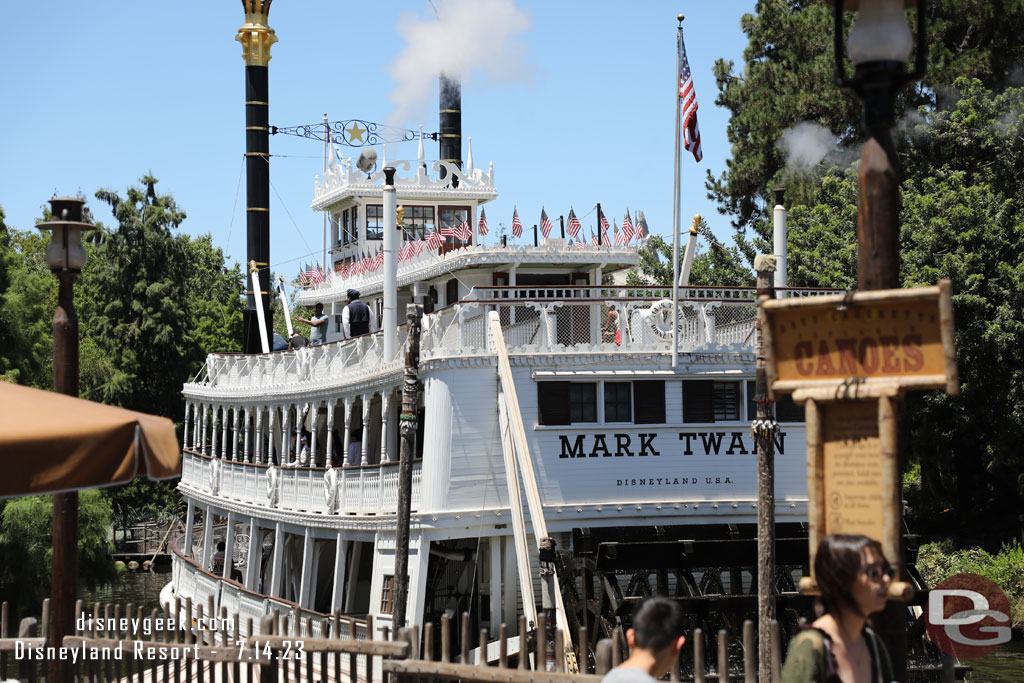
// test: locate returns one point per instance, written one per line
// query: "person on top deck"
(357, 319)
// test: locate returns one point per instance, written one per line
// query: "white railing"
(345, 176)
(369, 489)
(191, 582)
(353, 360)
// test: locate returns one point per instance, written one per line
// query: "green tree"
(26, 543)
(716, 265)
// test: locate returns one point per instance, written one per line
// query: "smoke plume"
(469, 39)
(806, 144)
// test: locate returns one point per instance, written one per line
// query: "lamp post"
(65, 255)
(879, 46)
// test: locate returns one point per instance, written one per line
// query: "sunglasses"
(875, 572)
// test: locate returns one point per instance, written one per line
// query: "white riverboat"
(616, 437)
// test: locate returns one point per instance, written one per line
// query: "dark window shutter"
(698, 400)
(751, 405)
(727, 401)
(451, 292)
(553, 401)
(649, 401)
(786, 409)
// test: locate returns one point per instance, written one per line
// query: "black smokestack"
(451, 121)
(256, 37)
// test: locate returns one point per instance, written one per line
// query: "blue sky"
(98, 94)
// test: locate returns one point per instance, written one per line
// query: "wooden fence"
(130, 646)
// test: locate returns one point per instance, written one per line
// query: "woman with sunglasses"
(853, 577)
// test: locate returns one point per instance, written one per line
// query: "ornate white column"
(286, 437)
(298, 431)
(314, 410)
(229, 546)
(330, 433)
(385, 419)
(213, 428)
(207, 538)
(236, 419)
(272, 411)
(248, 440)
(347, 437)
(202, 432)
(363, 460)
(224, 434)
(254, 558)
(186, 433)
(190, 521)
(258, 450)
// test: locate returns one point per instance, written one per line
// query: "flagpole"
(675, 203)
(327, 138)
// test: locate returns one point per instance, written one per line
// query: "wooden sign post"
(848, 358)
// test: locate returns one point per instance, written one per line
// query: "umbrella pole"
(65, 505)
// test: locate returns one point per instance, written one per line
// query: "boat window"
(710, 401)
(419, 222)
(387, 594)
(453, 219)
(618, 402)
(374, 222)
(451, 292)
(553, 403)
(649, 401)
(786, 410)
(349, 223)
(583, 402)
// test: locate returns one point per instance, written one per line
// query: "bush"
(939, 561)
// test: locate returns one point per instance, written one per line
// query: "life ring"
(331, 488)
(659, 317)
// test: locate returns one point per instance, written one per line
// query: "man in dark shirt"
(357, 318)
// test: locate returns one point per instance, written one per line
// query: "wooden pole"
(764, 428)
(408, 422)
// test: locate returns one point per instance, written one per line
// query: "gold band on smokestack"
(256, 36)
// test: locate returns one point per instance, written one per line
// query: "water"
(1004, 665)
(138, 589)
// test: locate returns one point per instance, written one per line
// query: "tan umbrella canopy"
(51, 442)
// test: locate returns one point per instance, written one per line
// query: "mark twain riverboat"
(645, 473)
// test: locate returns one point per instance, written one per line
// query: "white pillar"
(314, 411)
(254, 558)
(330, 433)
(389, 322)
(366, 429)
(224, 433)
(236, 420)
(261, 441)
(286, 436)
(248, 440)
(385, 419)
(207, 538)
(347, 437)
(307, 570)
(190, 521)
(186, 433)
(229, 546)
(202, 432)
(298, 430)
(213, 428)
(494, 543)
(340, 556)
(276, 562)
(271, 410)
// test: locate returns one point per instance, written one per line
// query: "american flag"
(450, 230)
(417, 246)
(641, 224)
(593, 239)
(378, 260)
(517, 225)
(604, 225)
(573, 228)
(315, 275)
(579, 244)
(691, 133)
(482, 225)
(343, 271)
(405, 252)
(620, 238)
(465, 232)
(435, 240)
(545, 224)
(303, 277)
(627, 228)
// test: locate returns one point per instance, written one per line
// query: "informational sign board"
(853, 470)
(901, 335)
(848, 358)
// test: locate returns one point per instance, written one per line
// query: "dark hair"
(657, 623)
(837, 563)
(220, 546)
